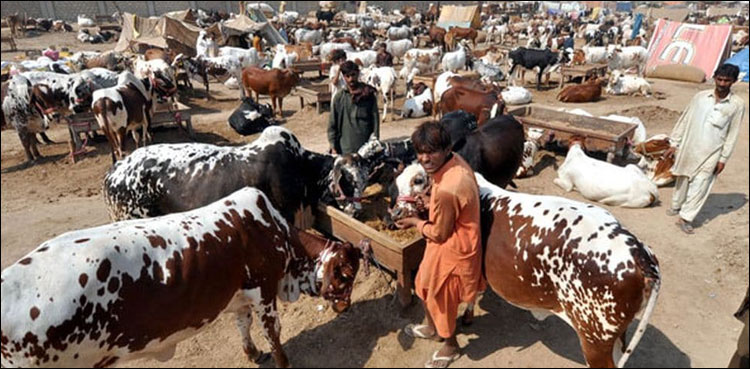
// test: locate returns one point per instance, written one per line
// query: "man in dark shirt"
(385, 59)
(354, 118)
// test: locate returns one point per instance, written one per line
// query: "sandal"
(414, 331)
(441, 361)
(685, 226)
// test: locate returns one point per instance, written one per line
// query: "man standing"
(451, 268)
(384, 58)
(354, 113)
(703, 140)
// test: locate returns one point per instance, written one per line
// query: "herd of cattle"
(212, 228)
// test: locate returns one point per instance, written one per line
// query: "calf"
(80, 299)
(588, 91)
(545, 60)
(604, 182)
(221, 67)
(455, 60)
(167, 178)
(551, 255)
(276, 83)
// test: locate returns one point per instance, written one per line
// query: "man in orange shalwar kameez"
(451, 268)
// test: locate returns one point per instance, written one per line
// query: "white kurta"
(704, 135)
(335, 87)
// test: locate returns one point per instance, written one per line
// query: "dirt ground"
(704, 275)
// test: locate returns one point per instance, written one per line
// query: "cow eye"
(418, 181)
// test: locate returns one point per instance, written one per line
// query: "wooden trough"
(314, 93)
(163, 117)
(586, 71)
(310, 65)
(605, 135)
(401, 258)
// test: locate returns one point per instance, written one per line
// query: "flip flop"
(414, 330)
(441, 361)
(686, 227)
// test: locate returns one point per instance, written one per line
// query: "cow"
(21, 110)
(603, 182)
(398, 48)
(628, 57)
(399, 33)
(456, 60)
(205, 45)
(534, 140)
(483, 105)
(364, 58)
(277, 83)
(419, 104)
(437, 36)
(588, 91)
(325, 15)
(180, 271)
(460, 33)
(250, 57)
(167, 178)
(621, 84)
(201, 68)
(384, 80)
(545, 60)
(128, 106)
(552, 255)
(312, 36)
(658, 168)
(110, 60)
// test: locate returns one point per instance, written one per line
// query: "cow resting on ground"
(607, 183)
(551, 255)
(137, 288)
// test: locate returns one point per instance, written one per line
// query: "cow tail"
(652, 288)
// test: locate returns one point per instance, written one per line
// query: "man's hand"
(669, 153)
(719, 168)
(407, 222)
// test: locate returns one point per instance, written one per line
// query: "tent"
(740, 59)
(459, 16)
(678, 15)
(139, 34)
(702, 46)
(241, 25)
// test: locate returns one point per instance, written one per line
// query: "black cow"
(168, 178)
(325, 15)
(531, 58)
(251, 117)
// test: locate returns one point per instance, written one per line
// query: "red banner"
(702, 46)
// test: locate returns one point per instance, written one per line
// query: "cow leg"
(597, 354)
(269, 317)
(244, 320)
(46, 139)
(26, 140)
(281, 107)
(563, 183)
(146, 127)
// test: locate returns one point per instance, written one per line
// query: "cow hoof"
(262, 358)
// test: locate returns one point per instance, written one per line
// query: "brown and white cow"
(105, 295)
(588, 91)
(657, 167)
(554, 255)
(129, 106)
(483, 105)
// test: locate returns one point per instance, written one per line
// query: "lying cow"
(604, 182)
(419, 104)
(551, 255)
(167, 178)
(657, 167)
(178, 272)
(588, 91)
(621, 84)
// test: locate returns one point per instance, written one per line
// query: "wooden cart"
(586, 71)
(403, 259)
(314, 93)
(163, 117)
(605, 135)
(429, 78)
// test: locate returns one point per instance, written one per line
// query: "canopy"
(140, 33)
(459, 16)
(740, 59)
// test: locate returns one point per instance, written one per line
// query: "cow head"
(80, 94)
(43, 101)
(346, 183)
(162, 85)
(336, 268)
(412, 186)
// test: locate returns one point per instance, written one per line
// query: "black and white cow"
(221, 67)
(545, 60)
(167, 178)
(105, 295)
(22, 112)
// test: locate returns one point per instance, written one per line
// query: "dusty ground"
(704, 275)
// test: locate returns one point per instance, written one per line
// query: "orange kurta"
(451, 269)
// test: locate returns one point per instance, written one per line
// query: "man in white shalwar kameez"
(703, 140)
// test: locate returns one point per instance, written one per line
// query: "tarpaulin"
(702, 46)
